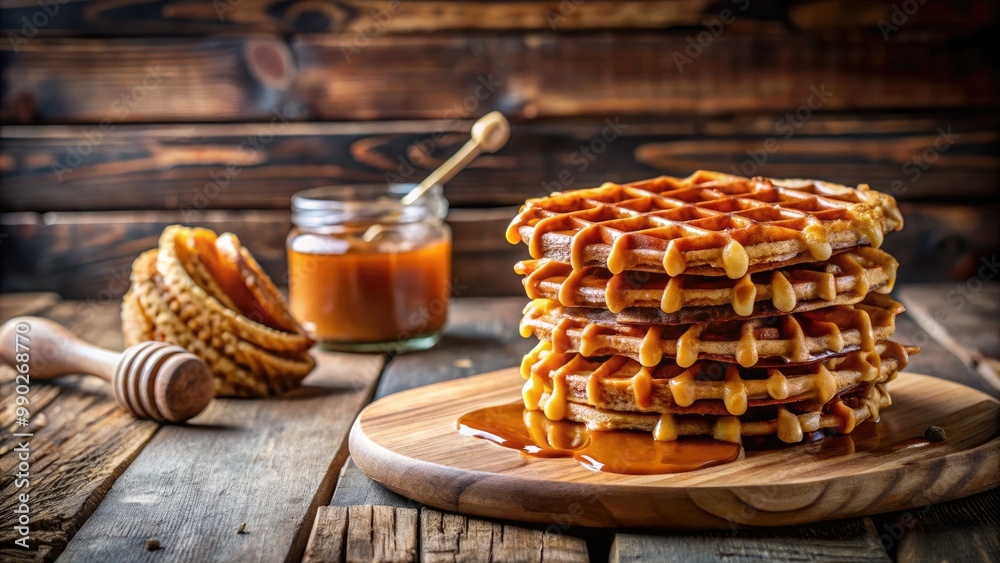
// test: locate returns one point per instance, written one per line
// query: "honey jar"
(367, 273)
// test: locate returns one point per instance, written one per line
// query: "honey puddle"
(614, 451)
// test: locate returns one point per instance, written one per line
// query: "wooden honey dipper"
(154, 380)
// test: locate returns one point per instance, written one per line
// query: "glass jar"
(367, 273)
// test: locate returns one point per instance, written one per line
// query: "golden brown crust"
(246, 358)
(620, 384)
(709, 223)
(842, 414)
(796, 338)
(843, 280)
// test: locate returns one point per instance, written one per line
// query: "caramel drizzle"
(624, 217)
(849, 274)
(820, 384)
(787, 426)
(797, 338)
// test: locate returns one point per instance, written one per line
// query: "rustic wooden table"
(271, 480)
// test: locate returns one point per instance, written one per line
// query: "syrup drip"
(612, 451)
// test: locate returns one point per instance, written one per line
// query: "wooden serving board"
(409, 443)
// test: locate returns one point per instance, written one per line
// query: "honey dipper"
(153, 380)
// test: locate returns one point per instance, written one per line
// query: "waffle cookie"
(706, 224)
(711, 305)
(774, 341)
(842, 280)
(788, 422)
(208, 295)
(618, 383)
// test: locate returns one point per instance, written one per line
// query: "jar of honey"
(367, 273)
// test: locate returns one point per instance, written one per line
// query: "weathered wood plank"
(268, 464)
(448, 537)
(528, 76)
(480, 336)
(842, 540)
(963, 530)
(958, 316)
(17, 304)
(90, 255)
(189, 168)
(82, 442)
(363, 533)
(353, 17)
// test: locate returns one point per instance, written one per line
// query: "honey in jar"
(367, 273)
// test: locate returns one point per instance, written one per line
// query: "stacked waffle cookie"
(712, 305)
(206, 293)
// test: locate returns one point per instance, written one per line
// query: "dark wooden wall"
(122, 117)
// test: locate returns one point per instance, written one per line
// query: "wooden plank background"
(122, 117)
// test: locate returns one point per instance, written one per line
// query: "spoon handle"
(489, 134)
(52, 351)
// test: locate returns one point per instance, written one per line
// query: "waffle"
(842, 280)
(187, 274)
(706, 224)
(796, 338)
(175, 297)
(788, 422)
(620, 384)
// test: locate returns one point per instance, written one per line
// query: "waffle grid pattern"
(795, 338)
(708, 223)
(842, 413)
(621, 384)
(843, 280)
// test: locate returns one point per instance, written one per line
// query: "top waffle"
(706, 224)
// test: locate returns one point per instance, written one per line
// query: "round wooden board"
(409, 443)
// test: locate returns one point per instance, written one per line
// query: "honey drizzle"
(870, 215)
(845, 274)
(735, 392)
(788, 426)
(744, 296)
(673, 296)
(651, 348)
(530, 432)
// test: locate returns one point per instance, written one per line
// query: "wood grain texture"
(842, 540)
(479, 336)
(351, 17)
(90, 255)
(526, 76)
(955, 315)
(82, 441)
(448, 537)
(190, 168)
(268, 464)
(432, 463)
(966, 530)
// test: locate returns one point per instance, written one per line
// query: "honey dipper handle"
(52, 351)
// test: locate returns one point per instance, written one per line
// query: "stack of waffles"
(712, 305)
(206, 293)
